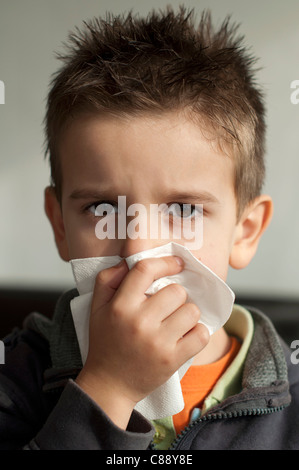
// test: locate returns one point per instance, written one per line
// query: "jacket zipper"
(222, 415)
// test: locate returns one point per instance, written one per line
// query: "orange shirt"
(199, 381)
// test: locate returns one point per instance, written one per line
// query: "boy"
(165, 112)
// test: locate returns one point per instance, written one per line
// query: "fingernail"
(179, 261)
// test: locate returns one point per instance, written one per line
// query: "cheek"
(215, 255)
(219, 266)
(83, 243)
(218, 235)
(217, 261)
(80, 237)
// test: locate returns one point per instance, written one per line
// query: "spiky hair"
(164, 62)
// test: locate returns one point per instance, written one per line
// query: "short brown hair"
(129, 65)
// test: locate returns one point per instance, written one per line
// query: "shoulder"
(26, 356)
(23, 405)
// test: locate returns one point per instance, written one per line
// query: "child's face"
(150, 160)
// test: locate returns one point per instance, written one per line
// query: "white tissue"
(204, 288)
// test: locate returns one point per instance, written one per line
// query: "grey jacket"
(41, 407)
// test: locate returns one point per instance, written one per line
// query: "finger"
(144, 273)
(167, 300)
(181, 321)
(107, 282)
(192, 342)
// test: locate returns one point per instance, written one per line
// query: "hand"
(137, 342)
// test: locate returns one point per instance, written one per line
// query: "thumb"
(107, 282)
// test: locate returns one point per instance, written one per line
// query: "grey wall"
(30, 32)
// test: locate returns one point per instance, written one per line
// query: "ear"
(252, 224)
(54, 214)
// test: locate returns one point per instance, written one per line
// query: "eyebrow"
(192, 196)
(90, 194)
(200, 197)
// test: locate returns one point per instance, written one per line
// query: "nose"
(142, 232)
(131, 247)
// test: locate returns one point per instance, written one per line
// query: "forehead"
(157, 151)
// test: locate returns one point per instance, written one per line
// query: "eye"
(184, 211)
(101, 208)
